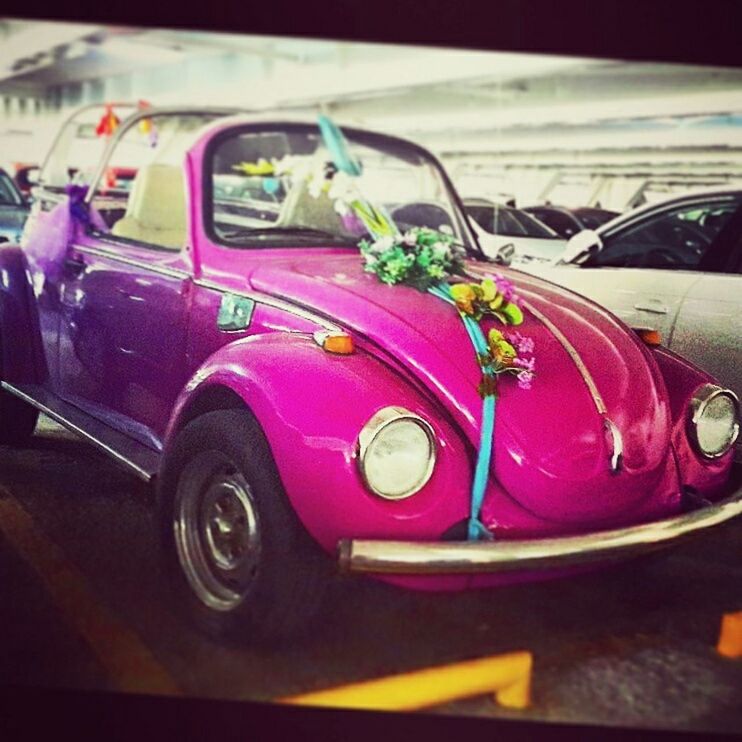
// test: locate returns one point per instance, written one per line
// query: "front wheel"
(241, 564)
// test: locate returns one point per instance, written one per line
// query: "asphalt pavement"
(86, 607)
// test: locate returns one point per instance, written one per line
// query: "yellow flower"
(463, 294)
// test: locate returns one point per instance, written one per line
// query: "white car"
(505, 232)
(675, 267)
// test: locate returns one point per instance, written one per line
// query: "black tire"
(17, 420)
(276, 582)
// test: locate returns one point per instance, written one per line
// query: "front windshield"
(508, 222)
(279, 184)
(79, 147)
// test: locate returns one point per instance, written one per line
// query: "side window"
(677, 239)
(560, 223)
(141, 196)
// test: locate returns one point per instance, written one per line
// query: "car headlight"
(397, 453)
(714, 423)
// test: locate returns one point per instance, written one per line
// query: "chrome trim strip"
(573, 354)
(476, 557)
(271, 301)
(617, 443)
(100, 252)
(141, 473)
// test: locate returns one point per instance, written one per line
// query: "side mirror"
(504, 255)
(582, 243)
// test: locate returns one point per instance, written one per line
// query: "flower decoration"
(147, 126)
(506, 355)
(261, 167)
(78, 210)
(108, 123)
(421, 257)
(494, 296)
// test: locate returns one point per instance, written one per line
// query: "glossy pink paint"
(550, 472)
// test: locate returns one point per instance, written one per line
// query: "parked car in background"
(301, 415)
(505, 230)
(567, 222)
(25, 175)
(13, 209)
(674, 266)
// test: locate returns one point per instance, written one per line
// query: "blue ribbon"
(345, 162)
(338, 147)
(475, 527)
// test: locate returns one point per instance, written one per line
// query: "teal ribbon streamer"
(475, 527)
(338, 147)
(344, 161)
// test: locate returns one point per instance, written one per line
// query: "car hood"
(551, 449)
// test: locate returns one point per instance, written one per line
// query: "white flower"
(446, 229)
(383, 244)
(341, 207)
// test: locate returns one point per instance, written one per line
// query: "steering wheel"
(421, 214)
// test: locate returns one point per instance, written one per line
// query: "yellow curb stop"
(507, 675)
(730, 637)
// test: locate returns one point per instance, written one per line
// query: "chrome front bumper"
(476, 557)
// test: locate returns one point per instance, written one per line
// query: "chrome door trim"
(102, 253)
(141, 473)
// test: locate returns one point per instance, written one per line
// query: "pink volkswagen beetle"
(212, 325)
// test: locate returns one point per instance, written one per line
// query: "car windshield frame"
(383, 142)
(12, 189)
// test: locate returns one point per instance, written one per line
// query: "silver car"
(510, 233)
(674, 266)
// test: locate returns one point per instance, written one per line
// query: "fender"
(682, 379)
(20, 339)
(311, 406)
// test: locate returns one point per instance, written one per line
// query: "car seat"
(156, 210)
(302, 209)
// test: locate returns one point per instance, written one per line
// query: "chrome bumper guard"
(477, 557)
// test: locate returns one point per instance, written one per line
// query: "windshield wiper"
(293, 231)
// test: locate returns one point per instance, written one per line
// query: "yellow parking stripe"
(507, 675)
(126, 659)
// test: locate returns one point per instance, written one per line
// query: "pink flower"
(505, 287)
(528, 364)
(524, 379)
(521, 342)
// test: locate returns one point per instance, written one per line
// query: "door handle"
(75, 265)
(653, 306)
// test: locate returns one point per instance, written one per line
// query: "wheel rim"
(216, 527)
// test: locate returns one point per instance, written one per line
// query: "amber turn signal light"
(650, 337)
(339, 343)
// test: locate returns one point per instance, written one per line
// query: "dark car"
(13, 209)
(566, 222)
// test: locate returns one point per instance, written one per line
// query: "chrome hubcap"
(216, 531)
